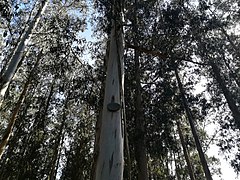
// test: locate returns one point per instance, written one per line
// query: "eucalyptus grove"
(107, 90)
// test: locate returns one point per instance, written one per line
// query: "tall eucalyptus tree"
(110, 158)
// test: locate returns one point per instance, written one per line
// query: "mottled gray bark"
(109, 164)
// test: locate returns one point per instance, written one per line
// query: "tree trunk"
(140, 144)
(126, 145)
(185, 152)
(227, 94)
(232, 74)
(110, 159)
(13, 118)
(99, 117)
(193, 129)
(58, 144)
(167, 171)
(230, 41)
(178, 176)
(17, 54)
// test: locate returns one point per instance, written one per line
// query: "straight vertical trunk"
(58, 145)
(17, 54)
(231, 72)
(126, 145)
(227, 94)
(13, 118)
(140, 144)
(230, 41)
(236, 51)
(194, 132)
(99, 118)
(185, 152)
(110, 159)
(176, 167)
(167, 172)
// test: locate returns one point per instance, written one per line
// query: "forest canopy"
(113, 90)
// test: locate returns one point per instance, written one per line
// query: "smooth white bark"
(110, 159)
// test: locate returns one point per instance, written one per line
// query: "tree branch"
(147, 51)
(159, 54)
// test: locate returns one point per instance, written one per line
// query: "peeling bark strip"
(17, 54)
(110, 159)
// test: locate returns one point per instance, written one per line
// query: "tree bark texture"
(110, 159)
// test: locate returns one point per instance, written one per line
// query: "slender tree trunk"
(140, 144)
(230, 41)
(235, 76)
(194, 132)
(13, 118)
(37, 124)
(58, 144)
(59, 156)
(227, 94)
(126, 145)
(232, 74)
(167, 172)
(110, 159)
(185, 152)
(180, 160)
(176, 167)
(17, 54)
(176, 160)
